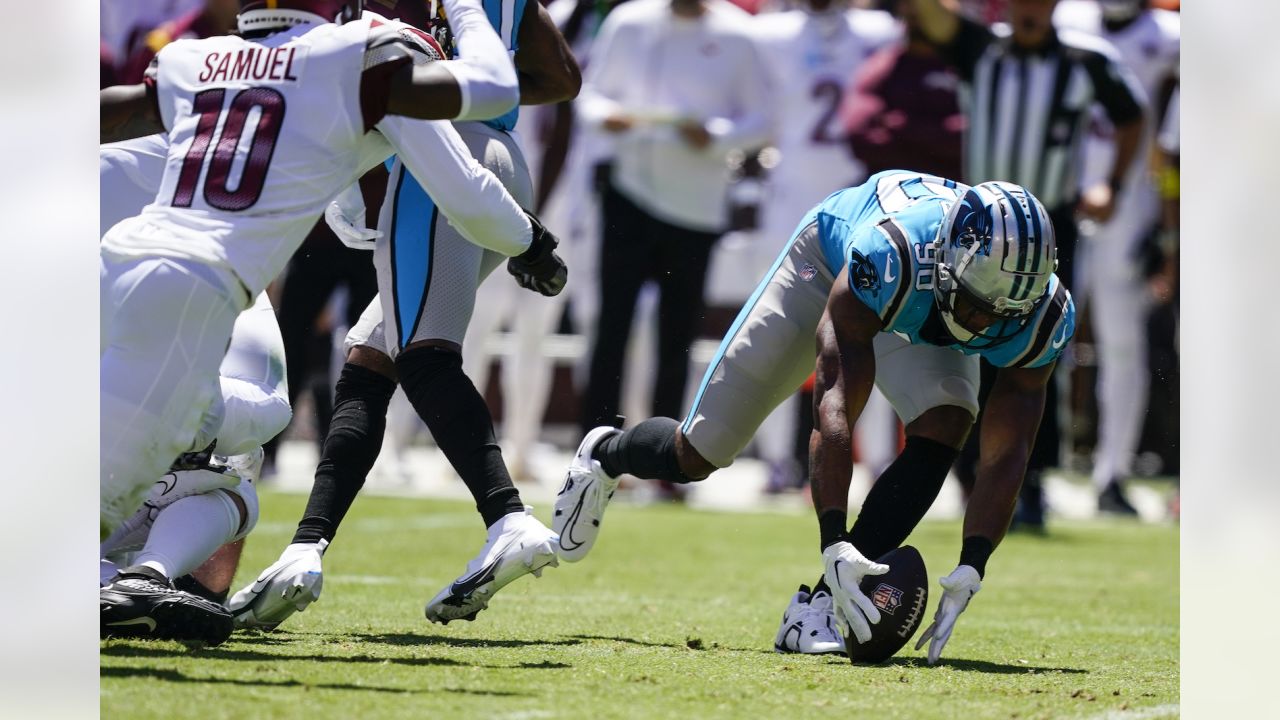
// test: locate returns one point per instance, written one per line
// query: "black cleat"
(188, 583)
(1112, 501)
(1029, 515)
(141, 603)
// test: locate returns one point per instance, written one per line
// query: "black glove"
(194, 460)
(539, 268)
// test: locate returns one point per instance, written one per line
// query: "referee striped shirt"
(1028, 109)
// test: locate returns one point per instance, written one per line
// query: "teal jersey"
(883, 232)
(505, 17)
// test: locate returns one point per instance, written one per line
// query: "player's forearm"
(125, 113)
(540, 89)
(843, 382)
(1008, 433)
(485, 75)
(830, 454)
(994, 496)
(547, 69)
(1128, 138)
(470, 196)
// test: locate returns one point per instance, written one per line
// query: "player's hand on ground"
(346, 218)
(957, 588)
(844, 568)
(539, 268)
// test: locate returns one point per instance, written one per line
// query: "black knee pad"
(350, 448)
(359, 420)
(424, 364)
(459, 420)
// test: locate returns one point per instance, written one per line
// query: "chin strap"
(955, 329)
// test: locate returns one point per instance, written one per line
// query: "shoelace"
(599, 498)
(819, 612)
(142, 583)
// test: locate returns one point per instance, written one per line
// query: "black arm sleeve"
(967, 46)
(1114, 87)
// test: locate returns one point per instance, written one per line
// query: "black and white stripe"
(898, 237)
(1046, 326)
(1028, 111)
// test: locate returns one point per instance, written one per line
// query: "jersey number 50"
(217, 180)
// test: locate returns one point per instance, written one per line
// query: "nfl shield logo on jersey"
(808, 272)
(887, 598)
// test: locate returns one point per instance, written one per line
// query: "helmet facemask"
(994, 254)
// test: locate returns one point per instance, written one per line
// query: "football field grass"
(673, 615)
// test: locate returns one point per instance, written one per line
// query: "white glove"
(345, 217)
(957, 588)
(844, 569)
(289, 585)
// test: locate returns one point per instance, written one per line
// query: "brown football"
(901, 595)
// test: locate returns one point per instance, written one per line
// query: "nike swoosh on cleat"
(463, 588)
(568, 485)
(570, 524)
(168, 482)
(151, 624)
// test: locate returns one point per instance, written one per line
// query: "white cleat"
(518, 544)
(809, 626)
(291, 584)
(583, 498)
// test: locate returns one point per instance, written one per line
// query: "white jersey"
(262, 134)
(810, 58)
(1150, 48)
(129, 175)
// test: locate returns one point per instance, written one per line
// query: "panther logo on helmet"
(995, 251)
(972, 225)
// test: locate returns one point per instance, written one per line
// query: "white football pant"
(1119, 304)
(165, 324)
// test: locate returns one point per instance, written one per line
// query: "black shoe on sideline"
(1112, 501)
(141, 603)
(1029, 515)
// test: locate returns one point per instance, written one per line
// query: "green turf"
(672, 615)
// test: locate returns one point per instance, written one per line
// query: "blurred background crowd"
(704, 131)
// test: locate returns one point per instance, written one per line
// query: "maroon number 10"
(208, 105)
